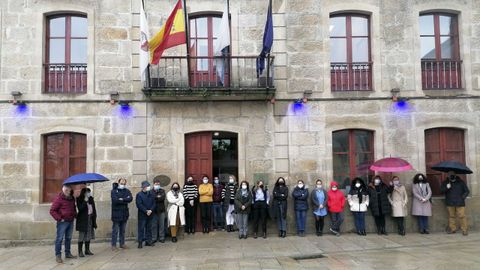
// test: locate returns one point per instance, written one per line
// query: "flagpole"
(187, 39)
(229, 54)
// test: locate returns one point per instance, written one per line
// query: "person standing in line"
(243, 203)
(228, 196)
(358, 200)
(398, 199)
(279, 204)
(456, 192)
(217, 205)
(158, 218)
(421, 205)
(64, 212)
(378, 203)
(300, 204)
(319, 201)
(336, 202)
(86, 221)
(175, 210)
(145, 201)
(190, 194)
(205, 190)
(120, 197)
(260, 208)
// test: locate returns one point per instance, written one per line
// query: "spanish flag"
(171, 34)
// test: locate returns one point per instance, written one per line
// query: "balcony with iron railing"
(65, 78)
(441, 75)
(193, 77)
(351, 76)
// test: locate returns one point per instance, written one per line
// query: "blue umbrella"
(452, 165)
(84, 178)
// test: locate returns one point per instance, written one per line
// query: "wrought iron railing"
(351, 76)
(445, 74)
(195, 72)
(65, 78)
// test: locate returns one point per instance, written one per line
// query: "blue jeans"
(218, 220)
(301, 219)
(158, 226)
(145, 230)
(64, 229)
(336, 220)
(359, 218)
(423, 222)
(118, 230)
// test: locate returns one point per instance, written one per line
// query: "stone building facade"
(276, 137)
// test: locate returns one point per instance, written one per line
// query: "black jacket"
(279, 205)
(379, 205)
(145, 201)
(120, 200)
(82, 216)
(456, 194)
(160, 200)
(300, 199)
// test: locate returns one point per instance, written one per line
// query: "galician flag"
(171, 34)
(222, 46)
(144, 37)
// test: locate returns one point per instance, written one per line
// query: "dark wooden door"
(64, 155)
(442, 144)
(198, 157)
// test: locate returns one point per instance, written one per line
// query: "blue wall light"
(401, 105)
(21, 109)
(124, 109)
(299, 107)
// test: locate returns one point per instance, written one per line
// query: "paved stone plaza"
(222, 251)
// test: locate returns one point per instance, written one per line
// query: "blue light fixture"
(124, 109)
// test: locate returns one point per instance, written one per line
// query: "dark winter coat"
(63, 207)
(120, 200)
(145, 201)
(279, 205)
(217, 193)
(300, 199)
(456, 194)
(241, 200)
(379, 203)
(82, 216)
(160, 200)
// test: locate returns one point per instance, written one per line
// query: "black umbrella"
(451, 165)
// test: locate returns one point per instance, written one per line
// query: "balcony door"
(205, 70)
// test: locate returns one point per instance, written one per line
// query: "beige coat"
(398, 199)
(175, 205)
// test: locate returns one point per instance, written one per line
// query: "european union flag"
(267, 41)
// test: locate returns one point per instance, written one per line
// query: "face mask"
(230, 180)
(300, 185)
(358, 185)
(88, 194)
(205, 180)
(396, 182)
(377, 182)
(319, 186)
(156, 187)
(175, 188)
(260, 186)
(148, 189)
(420, 178)
(216, 181)
(121, 186)
(334, 188)
(244, 186)
(189, 180)
(452, 177)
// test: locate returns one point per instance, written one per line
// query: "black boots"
(317, 228)
(87, 248)
(80, 249)
(140, 244)
(282, 234)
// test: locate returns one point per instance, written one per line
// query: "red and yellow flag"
(171, 34)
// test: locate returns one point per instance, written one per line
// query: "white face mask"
(148, 188)
(396, 182)
(244, 186)
(205, 180)
(319, 186)
(88, 194)
(357, 185)
(300, 185)
(334, 188)
(121, 186)
(377, 181)
(216, 181)
(230, 180)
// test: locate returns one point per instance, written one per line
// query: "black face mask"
(281, 183)
(452, 177)
(260, 186)
(175, 188)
